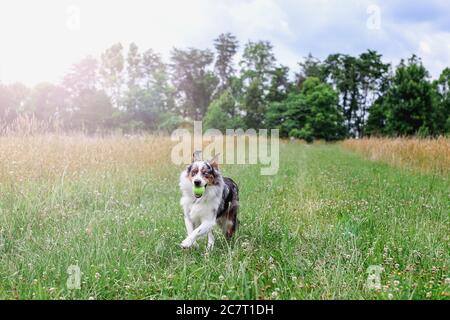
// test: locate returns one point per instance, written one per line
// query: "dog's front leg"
(190, 228)
(204, 228)
(210, 241)
(189, 225)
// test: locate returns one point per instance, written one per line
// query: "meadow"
(110, 206)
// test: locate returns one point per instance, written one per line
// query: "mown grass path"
(309, 232)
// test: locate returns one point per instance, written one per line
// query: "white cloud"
(38, 46)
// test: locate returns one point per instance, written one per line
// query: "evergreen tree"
(408, 102)
(226, 47)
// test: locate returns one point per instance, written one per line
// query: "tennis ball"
(198, 191)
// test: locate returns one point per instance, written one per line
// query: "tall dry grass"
(424, 155)
(48, 156)
(31, 150)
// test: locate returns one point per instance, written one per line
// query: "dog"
(218, 205)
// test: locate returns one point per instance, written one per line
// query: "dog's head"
(203, 173)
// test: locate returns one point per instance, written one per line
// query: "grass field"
(424, 155)
(111, 207)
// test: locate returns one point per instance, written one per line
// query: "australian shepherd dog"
(218, 204)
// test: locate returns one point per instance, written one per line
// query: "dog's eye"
(193, 173)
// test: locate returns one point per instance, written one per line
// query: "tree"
(82, 76)
(111, 71)
(376, 122)
(12, 102)
(134, 66)
(341, 71)
(311, 114)
(47, 102)
(258, 61)
(132, 98)
(148, 94)
(254, 104)
(222, 113)
(310, 67)
(194, 82)
(360, 81)
(87, 107)
(279, 84)
(276, 113)
(325, 121)
(408, 102)
(226, 47)
(257, 69)
(442, 102)
(93, 112)
(7, 109)
(372, 77)
(156, 80)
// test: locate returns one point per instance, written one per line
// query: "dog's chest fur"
(204, 208)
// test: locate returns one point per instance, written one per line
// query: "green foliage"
(222, 114)
(12, 101)
(257, 70)
(226, 47)
(441, 102)
(258, 61)
(169, 122)
(408, 107)
(376, 123)
(111, 71)
(309, 67)
(311, 114)
(279, 84)
(275, 115)
(254, 104)
(360, 81)
(46, 102)
(193, 80)
(136, 90)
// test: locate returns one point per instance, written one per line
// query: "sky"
(40, 40)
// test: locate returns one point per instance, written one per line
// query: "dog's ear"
(197, 156)
(215, 161)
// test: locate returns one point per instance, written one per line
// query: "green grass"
(309, 232)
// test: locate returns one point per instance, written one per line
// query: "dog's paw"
(187, 243)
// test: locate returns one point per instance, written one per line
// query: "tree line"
(341, 96)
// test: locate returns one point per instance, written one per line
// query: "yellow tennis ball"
(198, 191)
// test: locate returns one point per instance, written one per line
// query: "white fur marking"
(201, 211)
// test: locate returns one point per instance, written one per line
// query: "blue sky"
(41, 39)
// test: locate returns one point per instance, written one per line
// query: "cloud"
(37, 45)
